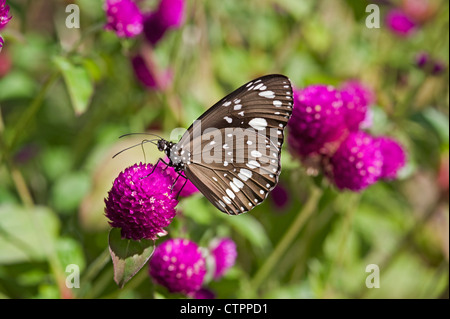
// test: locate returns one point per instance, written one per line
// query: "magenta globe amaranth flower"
(317, 123)
(169, 15)
(400, 23)
(142, 205)
(4, 14)
(394, 157)
(4, 19)
(280, 196)
(178, 265)
(148, 75)
(124, 18)
(357, 98)
(224, 253)
(204, 293)
(357, 163)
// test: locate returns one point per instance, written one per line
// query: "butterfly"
(231, 153)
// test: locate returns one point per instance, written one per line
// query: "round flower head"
(168, 15)
(357, 163)
(224, 253)
(4, 16)
(204, 293)
(422, 59)
(317, 121)
(178, 265)
(394, 157)
(139, 204)
(124, 18)
(171, 13)
(280, 196)
(400, 23)
(357, 99)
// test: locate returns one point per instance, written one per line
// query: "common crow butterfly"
(231, 153)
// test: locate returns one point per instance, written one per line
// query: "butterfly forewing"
(232, 152)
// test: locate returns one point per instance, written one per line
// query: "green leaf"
(250, 228)
(439, 122)
(128, 256)
(22, 232)
(16, 84)
(69, 190)
(78, 82)
(197, 209)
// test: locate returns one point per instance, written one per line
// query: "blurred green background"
(66, 95)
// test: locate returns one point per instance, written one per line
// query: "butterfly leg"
(155, 166)
(176, 180)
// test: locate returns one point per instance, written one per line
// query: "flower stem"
(287, 239)
(30, 112)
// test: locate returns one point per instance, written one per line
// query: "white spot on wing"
(245, 174)
(238, 183)
(257, 87)
(258, 123)
(256, 154)
(230, 193)
(234, 187)
(253, 164)
(267, 94)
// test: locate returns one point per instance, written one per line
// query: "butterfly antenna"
(141, 143)
(128, 134)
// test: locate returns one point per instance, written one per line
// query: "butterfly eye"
(161, 145)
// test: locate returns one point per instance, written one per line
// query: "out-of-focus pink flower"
(430, 65)
(280, 196)
(4, 14)
(169, 15)
(422, 59)
(178, 265)
(224, 252)
(357, 99)
(394, 157)
(357, 163)
(147, 74)
(419, 10)
(443, 178)
(124, 18)
(400, 23)
(317, 123)
(5, 62)
(4, 19)
(204, 293)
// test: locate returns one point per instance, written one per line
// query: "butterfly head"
(164, 146)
